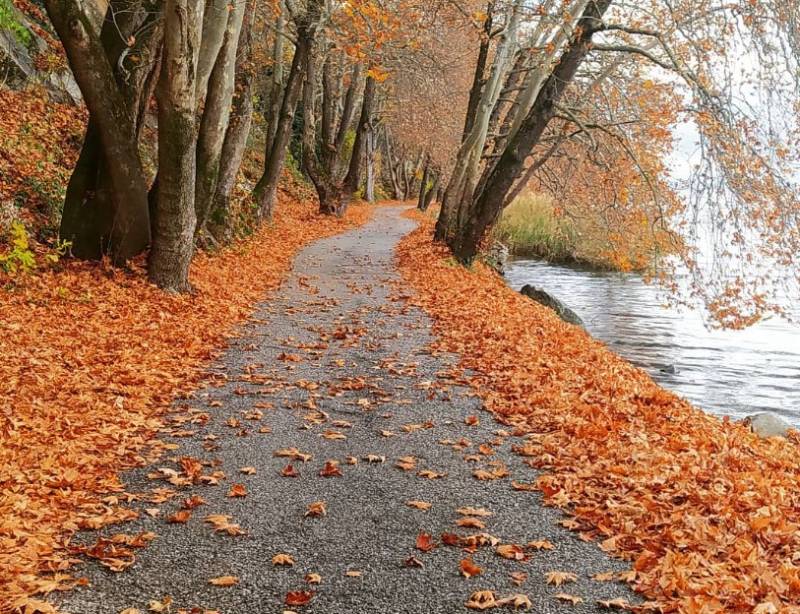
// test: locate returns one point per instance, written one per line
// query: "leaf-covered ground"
(333, 465)
(90, 360)
(708, 513)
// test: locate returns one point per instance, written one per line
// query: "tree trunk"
(482, 211)
(238, 129)
(113, 219)
(480, 71)
(274, 94)
(215, 23)
(352, 180)
(216, 114)
(423, 189)
(266, 188)
(370, 189)
(173, 240)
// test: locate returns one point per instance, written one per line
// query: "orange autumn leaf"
(469, 568)
(298, 598)
(237, 490)
(224, 581)
(425, 542)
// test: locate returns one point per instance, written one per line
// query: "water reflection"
(734, 373)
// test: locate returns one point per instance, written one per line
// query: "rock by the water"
(767, 425)
(669, 369)
(543, 298)
(497, 257)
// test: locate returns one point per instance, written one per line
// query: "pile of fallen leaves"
(90, 359)
(39, 143)
(708, 513)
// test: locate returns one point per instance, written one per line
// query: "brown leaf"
(557, 578)
(316, 509)
(425, 542)
(420, 505)
(331, 469)
(573, 599)
(511, 552)
(481, 600)
(470, 523)
(290, 472)
(295, 598)
(179, 517)
(283, 560)
(224, 581)
(469, 568)
(237, 490)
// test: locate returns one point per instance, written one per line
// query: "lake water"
(733, 373)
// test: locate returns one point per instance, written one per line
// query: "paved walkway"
(331, 365)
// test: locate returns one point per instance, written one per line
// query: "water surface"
(734, 373)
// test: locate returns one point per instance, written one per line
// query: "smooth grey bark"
(117, 223)
(174, 223)
(241, 119)
(216, 114)
(215, 23)
(274, 93)
(423, 188)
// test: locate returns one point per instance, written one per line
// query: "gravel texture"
(337, 315)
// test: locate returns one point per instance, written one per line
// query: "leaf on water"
(224, 581)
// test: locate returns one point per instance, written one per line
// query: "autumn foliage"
(707, 513)
(91, 357)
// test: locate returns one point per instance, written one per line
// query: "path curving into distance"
(334, 366)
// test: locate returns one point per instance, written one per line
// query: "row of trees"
(307, 70)
(466, 102)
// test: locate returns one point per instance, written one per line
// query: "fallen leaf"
(290, 472)
(412, 561)
(331, 469)
(420, 505)
(474, 511)
(430, 475)
(179, 517)
(481, 600)
(511, 552)
(298, 597)
(517, 601)
(557, 578)
(248, 470)
(353, 574)
(470, 523)
(469, 568)
(313, 578)
(518, 577)
(540, 544)
(281, 559)
(316, 509)
(237, 490)
(615, 604)
(224, 581)
(573, 599)
(425, 542)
